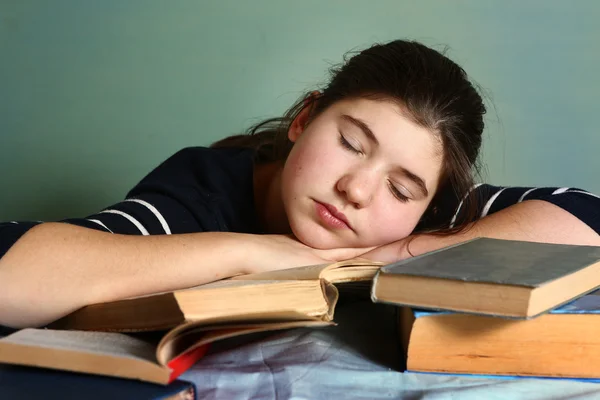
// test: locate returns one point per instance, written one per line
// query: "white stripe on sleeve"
(453, 220)
(560, 190)
(489, 203)
(525, 194)
(101, 224)
(129, 217)
(157, 214)
(582, 192)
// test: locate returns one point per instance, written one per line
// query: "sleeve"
(12, 231)
(580, 203)
(170, 199)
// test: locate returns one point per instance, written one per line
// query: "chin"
(317, 237)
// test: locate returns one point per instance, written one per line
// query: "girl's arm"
(556, 216)
(143, 244)
(56, 268)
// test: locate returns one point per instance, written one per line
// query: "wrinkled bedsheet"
(357, 359)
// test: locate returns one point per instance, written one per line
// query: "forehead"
(401, 140)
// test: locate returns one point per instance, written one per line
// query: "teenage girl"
(378, 164)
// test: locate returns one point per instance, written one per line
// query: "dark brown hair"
(431, 89)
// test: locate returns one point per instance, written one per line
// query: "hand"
(391, 252)
(274, 252)
(415, 245)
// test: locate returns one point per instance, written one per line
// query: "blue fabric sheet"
(358, 359)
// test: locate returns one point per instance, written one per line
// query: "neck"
(267, 198)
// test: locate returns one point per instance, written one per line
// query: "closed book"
(562, 343)
(25, 383)
(492, 277)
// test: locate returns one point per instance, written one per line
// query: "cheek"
(296, 175)
(392, 223)
(293, 171)
(307, 162)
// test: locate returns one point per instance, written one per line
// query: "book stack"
(498, 307)
(486, 306)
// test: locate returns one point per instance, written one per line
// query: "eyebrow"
(363, 126)
(417, 180)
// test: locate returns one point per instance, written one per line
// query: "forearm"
(533, 221)
(56, 268)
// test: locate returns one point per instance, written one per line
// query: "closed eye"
(397, 194)
(346, 144)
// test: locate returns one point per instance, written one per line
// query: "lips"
(330, 216)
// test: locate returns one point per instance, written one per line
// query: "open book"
(355, 270)
(306, 290)
(140, 357)
(91, 340)
(222, 299)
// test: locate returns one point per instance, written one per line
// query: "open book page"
(333, 272)
(241, 320)
(222, 299)
(97, 353)
(104, 343)
(230, 299)
(299, 273)
(192, 336)
(240, 281)
(224, 283)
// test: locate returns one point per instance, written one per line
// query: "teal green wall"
(93, 94)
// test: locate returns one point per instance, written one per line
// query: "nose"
(357, 187)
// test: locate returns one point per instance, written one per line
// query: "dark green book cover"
(506, 262)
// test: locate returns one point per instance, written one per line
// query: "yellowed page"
(99, 353)
(108, 343)
(218, 299)
(188, 339)
(232, 298)
(309, 272)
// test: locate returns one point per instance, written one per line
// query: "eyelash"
(346, 144)
(395, 192)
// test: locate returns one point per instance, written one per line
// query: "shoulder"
(191, 157)
(207, 167)
(583, 204)
(211, 188)
(508, 195)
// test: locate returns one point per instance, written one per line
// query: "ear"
(299, 123)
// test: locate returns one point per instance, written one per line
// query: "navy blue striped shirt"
(206, 190)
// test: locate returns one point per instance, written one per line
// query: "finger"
(344, 253)
(385, 254)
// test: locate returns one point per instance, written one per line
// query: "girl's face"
(361, 174)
